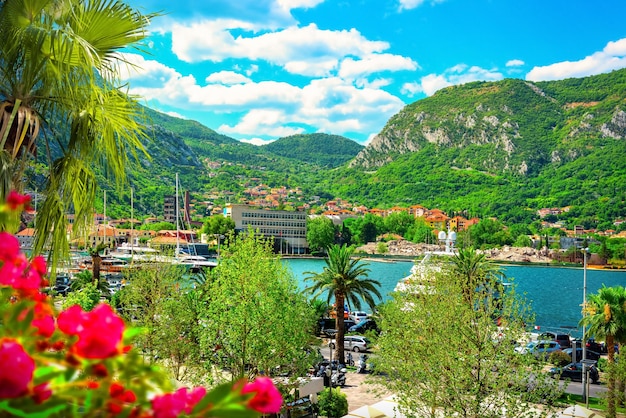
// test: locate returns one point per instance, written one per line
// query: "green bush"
(333, 403)
(559, 358)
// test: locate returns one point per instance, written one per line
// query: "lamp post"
(584, 343)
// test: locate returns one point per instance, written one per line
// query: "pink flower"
(19, 274)
(17, 369)
(16, 200)
(41, 393)
(9, 247)
(99, 331)
(170, 405)
(267, 399)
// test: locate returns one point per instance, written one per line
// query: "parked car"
(354, 343)
(358, 316)
(564, 340)
(594, 345)
(591, 355)
(574, 371)
(541, 348)
(328, 326)
(368, 324)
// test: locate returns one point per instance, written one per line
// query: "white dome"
(442, 235)
(452, 236)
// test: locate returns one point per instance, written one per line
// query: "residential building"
(285, 226)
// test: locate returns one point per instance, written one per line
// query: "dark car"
(574, 371)
(590, 355)
(328, 328)
(592, 344)
(366, 325)
(563, 339)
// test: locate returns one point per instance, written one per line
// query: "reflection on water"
(555, 293)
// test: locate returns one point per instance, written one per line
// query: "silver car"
(354, 343)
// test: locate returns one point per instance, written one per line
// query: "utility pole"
(584, 342)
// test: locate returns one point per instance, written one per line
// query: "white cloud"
(256, 141)
(300, 50)
(411, 89)
(612, 57)
(262, 122)
(409, 4)
(515, 63)
(298, 4)
(374, 63)
(412, 4)
(176, 115)
(227, 78)
(459, 74)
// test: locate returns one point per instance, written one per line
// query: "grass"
(597, 404)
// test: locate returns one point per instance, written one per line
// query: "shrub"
(560, 358)
(333, 403)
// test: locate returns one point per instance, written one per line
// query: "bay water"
(554, 293)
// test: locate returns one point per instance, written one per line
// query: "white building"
(288, 228)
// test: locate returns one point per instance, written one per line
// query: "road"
(576, 388)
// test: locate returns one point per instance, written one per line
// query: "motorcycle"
(349, 359)
(338, 377)
(362, 364)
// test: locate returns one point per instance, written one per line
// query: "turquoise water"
(554, 293)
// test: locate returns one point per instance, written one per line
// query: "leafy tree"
(218, 225)
(143, 301)
(87, 297)
(345, 279)
(320, 233)
(254, 319)
(159, 226)
(474, 272)
(398, 223)
(419, 231)
(607, 320)
(523, 241)
(489, 233)
(88, 119)
(454, 359)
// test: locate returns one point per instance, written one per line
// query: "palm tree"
(345, 279)
(475, 273)
(607, 320)
(60, 92)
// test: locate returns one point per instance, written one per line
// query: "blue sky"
(258, 70)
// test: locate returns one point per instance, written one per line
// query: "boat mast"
(177, 215)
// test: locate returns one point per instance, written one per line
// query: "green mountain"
(319, 149)
(502, 149)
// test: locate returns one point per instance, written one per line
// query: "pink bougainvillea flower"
(17, 369)
(19, 274)
(9, 247)
(43, 319)
(170, 405)
(16, 200)
(99, 331)
(41, 393)
(267, 399)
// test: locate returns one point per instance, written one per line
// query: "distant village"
(258, 198)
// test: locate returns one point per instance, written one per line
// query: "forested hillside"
(503, 149)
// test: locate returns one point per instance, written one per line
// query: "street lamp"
(584, 343)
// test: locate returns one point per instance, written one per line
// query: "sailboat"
(194, 261)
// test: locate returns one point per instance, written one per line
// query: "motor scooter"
(338, 377)
(362, 364)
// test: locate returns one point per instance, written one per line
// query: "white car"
(357, 316)
(354, 343)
